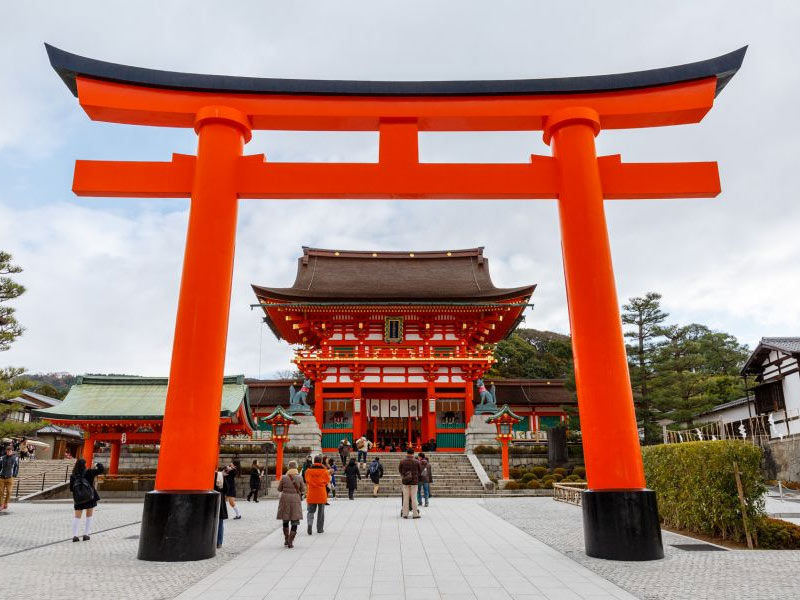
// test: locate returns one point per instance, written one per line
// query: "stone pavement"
(39, 560)
(740, 574)
(457, 550)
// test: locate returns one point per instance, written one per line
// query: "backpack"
(82, 491)
(374, 467)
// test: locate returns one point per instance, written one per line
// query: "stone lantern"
(504, 420)
(280, 421)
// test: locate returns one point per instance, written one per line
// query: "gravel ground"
(39, 560)
(740, 574)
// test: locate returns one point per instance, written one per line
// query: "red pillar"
(504, 444)
(608, 421)
(319, 405)
(113, 467)
(279, 461)
(88, 451)
(191, 416)
(469, 402)
(358, 429)
(430, 414)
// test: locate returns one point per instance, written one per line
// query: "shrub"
(512, 485)
(547, 484)
(539, 471)
(774, 534)
(696, 485)
(580, 472)
(487, 449)
(556, 476)
(533, 485)
(528, 477)
(516, 472)
(527, 450)
(560, 471)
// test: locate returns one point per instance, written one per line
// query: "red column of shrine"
(113, 467)
(616, 497)
(358, 415)
(469, 401)
(88, 450)
(184, 488)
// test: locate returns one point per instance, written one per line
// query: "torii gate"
(620, 514)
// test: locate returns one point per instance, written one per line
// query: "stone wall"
(493, 463)
(786, 456)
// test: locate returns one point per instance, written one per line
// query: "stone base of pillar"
(179, 526)
(622, 524)
(502, 483)
(479, 433)
(306, 434)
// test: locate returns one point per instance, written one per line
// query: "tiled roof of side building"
(787, 344)
(446, 275)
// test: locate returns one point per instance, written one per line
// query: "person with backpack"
(221, 486)
(84, 496)
(9, 467)
(306, 464)
(363, 446)
(353, 474)
(375, 472)
(317, 479)
(425, 480)
(256, 474)
(332, 468)
(344, 451)
(409, 478)
(230, 487)
(290, 508)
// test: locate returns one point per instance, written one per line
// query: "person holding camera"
(84, 496)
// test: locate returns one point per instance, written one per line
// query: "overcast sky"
(103, 274)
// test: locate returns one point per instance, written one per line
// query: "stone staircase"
(36, 475)
(453, 476)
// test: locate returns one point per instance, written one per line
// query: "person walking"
(84, 496)
(9, 468)
(344, 451)
(409, 477)
(332, 468)
(256, 475)
(317, 478)
(306, 464)
(375, 472)
(230, 487)
(221, 486)
(353, 474)
(363, 446)
(290, 508)
(425, 480)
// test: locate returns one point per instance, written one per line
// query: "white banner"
(385, 408)
(374, 408)
(404, 408)
(394, 408)
(413, 408)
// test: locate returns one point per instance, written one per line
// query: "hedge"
(696, 486)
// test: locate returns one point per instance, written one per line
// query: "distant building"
(775, 365)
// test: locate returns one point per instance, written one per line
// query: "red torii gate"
(620, 515)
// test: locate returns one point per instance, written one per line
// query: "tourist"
(363, 446)
(23, 449)
(230, 487)
(332, 468)
(31, 452)
(220, 485)
(425, 480)
(317, 478)
(9, 467)
(290, 508)
(352, 474)
(409, 478)
(84, 496)
(256, 475)
(344, 451)
(306, 464)
(375, 472)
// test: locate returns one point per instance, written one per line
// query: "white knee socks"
(236, 511)
(88, 526)
(76, 523)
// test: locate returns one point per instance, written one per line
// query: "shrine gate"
(620, 514)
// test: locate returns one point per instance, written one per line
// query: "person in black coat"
(352, 473)
(84, 495)
(230, 487)
(220, 485)
(255, 481)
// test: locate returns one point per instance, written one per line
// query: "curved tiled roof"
(447, 275)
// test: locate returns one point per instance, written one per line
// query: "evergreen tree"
(10, 329)
(644, 316)
(533, 354)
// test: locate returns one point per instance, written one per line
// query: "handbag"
(294, 484)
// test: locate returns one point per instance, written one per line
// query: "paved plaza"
(510, 548)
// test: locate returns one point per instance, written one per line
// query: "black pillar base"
(622, 525)
(179, 526)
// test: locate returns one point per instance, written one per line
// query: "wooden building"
(393, 344)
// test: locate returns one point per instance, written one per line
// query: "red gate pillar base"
(179, 525)
(620, 516)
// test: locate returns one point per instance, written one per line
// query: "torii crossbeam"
(620, 514)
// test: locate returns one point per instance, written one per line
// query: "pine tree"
(645, 316)
(10, 329)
